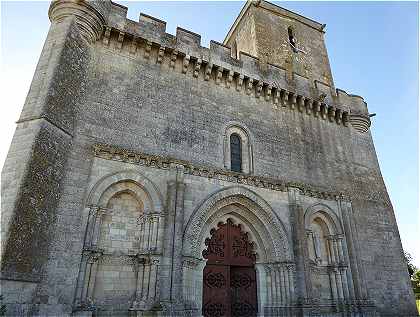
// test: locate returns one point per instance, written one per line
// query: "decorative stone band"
(265, 90)
(109, 152)
(360, 122)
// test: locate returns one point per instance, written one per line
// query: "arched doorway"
(229, 277)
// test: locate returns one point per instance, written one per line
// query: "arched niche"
(329, 273)
(124, 230)
(240, 130)
(103, 189)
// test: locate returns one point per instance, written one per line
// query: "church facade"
(151, 176)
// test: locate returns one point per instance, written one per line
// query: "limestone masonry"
(151, 176)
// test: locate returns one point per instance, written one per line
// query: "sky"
(373, 49)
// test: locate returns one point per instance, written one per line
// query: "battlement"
(248, 74)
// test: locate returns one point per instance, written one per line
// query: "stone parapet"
(247, 74)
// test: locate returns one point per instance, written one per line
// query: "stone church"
(152, 176)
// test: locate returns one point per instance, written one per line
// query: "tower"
(162, 178)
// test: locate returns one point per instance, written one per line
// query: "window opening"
(235, 153)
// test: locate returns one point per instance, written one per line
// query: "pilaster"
(303, 291)
(171, 277)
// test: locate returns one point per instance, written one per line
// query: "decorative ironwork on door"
(229, 279)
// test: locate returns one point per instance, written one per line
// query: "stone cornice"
(216, 65)
(109, 152)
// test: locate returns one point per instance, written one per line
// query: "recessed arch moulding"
(172, 213)
(271, 239)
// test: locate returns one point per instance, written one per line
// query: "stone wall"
(162, 104)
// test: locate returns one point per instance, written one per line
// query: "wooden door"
(229, 279)
(217, 291)
(243, 287)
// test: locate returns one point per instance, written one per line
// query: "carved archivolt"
(329, 272)
(144, 188)
(266, 228)
(326, 214)
(124, 230)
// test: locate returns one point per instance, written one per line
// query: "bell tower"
(283, 38)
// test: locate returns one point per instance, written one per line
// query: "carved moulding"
(110, 152)
(268, 231)
(254, 85)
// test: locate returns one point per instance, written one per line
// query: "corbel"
(197, 67)
(345, 118)
(331, 113)
(133, 46)
(207, 72)
(316, 107)
(239, 82)
(120, 40)
(249, 86)
(185, 63)
(338, 116)
(277, 96)
(292, 99)
(259, 89)
(324, 111)
(300, 103)
(161, 54)
(285, 97)
(229, 78)
(174, 56)
(308, 103)
(147, 49)
(107, 35)
(268, 93)
(219, 75)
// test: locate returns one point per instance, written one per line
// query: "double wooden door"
(229, 278)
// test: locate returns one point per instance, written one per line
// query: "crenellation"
(218, 59)
(188, 42)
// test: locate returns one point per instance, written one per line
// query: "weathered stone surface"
(120, 167)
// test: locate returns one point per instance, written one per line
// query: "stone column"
(81, 279)
(269, 286)
(88, 293)
(97, 226)
(171, 273)
(290, 271)
(351, 248)
(90, 227)
(138, 270)
(300, 250)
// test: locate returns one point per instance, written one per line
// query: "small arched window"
(235, 153)
(292, 39)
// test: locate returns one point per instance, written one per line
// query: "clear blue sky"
(373, 49)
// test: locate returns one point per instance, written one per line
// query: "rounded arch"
(265, 227)
(234, 127)
(328, 216)
(131, 180)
